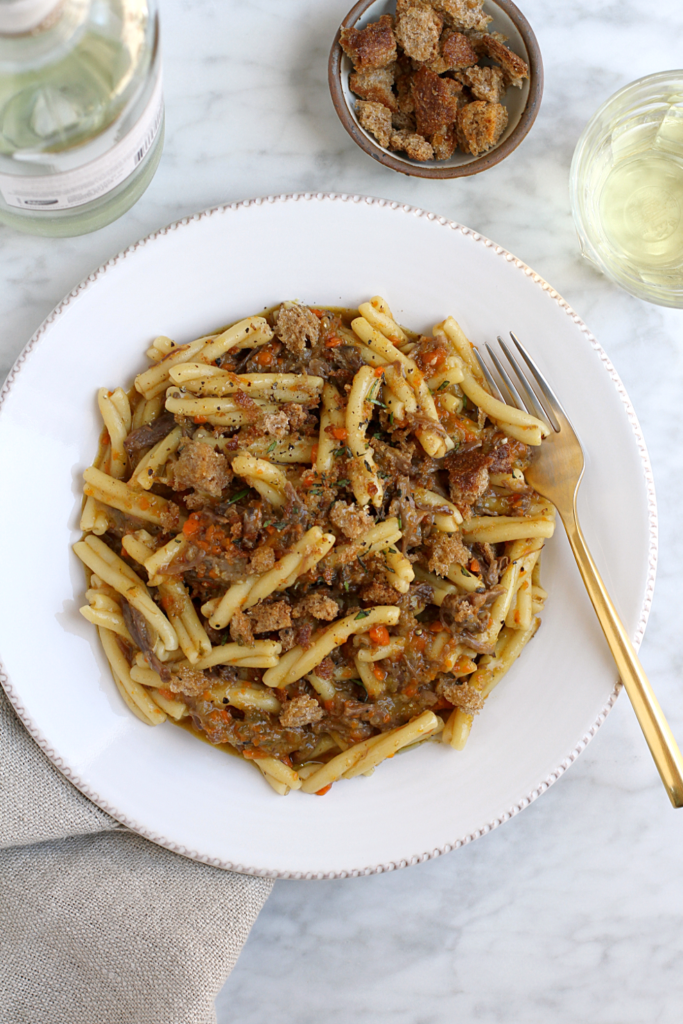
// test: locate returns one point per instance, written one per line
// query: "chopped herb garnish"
(343, 483)
(346, 585)
(465, 572)
(361, 562)
(362, 615)
(391, 419)
(271, 447)
(236, 497)
(376, 401)
(442, 385)
(400, 522)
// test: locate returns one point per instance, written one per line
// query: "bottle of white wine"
(81, 111)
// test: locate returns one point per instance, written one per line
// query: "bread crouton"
(463, 14)
(375, 85)
(200, 467)
(352, 520)
(403, 122)
(303, 710)
(371, 47)
(261, 560)
(295, 325)
(436, 102)
(376, 119)
(188, 681)
(416, 146)
(480, 126)
(240, 629)
(468, 472)
(457, 51)
(444, 142)
(417, 32)
(486, 83)
(461, 695)
(264, 618)
(514, 68)
(447, 550)
(318, 605)
(276, 423)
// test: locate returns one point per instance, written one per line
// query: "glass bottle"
(81, 111)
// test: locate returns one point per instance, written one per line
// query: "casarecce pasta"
(309, 536)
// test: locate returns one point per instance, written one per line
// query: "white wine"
(641, 207)
(81, 113)
(627, 188)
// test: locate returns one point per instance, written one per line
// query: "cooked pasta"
(309, 536)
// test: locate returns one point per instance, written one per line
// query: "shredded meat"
(140, 631)
(302, 710)
(149, 435)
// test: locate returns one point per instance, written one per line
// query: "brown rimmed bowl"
(522, 104)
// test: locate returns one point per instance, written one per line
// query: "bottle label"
(67, 189)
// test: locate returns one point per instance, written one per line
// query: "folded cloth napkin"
(96, 924)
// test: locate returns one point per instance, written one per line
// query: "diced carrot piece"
(325, 789)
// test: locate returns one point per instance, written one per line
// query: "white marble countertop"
(574, 909)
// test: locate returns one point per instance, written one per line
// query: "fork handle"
(650, 717)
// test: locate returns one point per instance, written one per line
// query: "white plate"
(182, 282)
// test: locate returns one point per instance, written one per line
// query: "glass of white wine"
(626, 184)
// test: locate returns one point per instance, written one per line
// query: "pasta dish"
(309, 537)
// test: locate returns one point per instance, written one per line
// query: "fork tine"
(495, 391)
(504, 376)
(532, 403)
(554, 410)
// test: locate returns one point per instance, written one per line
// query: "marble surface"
(573, 910)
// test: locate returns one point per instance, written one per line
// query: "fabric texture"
(98, 925)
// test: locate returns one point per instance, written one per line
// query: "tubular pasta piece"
(335, 768)
(332, 416)
(377, 313)
(121, 671)
(115, 410)
(156, 458)
(304, 662)
(505, 415)
(228, 654)
(110, 568)
(248, 333)
(119, 495)
(280, 788)
(154, 381)
(457, 729)
(374, 686)
(391, 742)
(496, 529)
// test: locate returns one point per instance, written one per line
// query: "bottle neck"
(19, 17)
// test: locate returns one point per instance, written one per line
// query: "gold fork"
(555, 473)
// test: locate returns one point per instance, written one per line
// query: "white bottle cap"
(18, 16)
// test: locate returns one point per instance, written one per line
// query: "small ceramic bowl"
(522, 104)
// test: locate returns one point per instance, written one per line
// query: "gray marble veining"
(574, 910)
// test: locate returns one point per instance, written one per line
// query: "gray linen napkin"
(96, 924)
